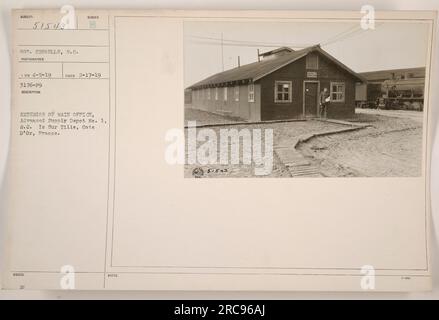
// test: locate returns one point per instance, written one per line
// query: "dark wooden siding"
(296, 73)
(270, 110)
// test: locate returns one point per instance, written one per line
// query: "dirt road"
(284, 134)
(390, 147)
(405, 114)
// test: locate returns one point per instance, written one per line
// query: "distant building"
(400, 88)
(394, 74)
(284, 84)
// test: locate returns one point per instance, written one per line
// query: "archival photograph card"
(219, 150)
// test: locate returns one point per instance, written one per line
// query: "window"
(216, 93)
(225, 93)
(208, 93)
(202, 93)
(282, 91)
(236, 93)
(312, 61)
(337, 91)
(251, 92)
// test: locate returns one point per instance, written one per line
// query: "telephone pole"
(222, 51)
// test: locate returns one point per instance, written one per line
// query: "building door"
(311, 95)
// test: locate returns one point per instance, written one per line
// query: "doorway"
(311, 98)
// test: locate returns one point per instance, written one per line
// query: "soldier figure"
(324, 102)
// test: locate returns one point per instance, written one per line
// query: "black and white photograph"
(304, 98)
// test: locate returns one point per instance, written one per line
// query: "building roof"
(381, 75)
(257, 70)
(275, 51)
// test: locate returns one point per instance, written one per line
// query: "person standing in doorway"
(324, 102)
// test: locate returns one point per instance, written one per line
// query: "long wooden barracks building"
(284, 84)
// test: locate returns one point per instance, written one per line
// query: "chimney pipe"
(239, 61)
(259, 56)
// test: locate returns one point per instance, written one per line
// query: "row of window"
(201, 94)
(282, 92)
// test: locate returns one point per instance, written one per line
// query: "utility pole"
(239, 61)
(222, 51)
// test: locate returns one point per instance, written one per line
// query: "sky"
(391, 45)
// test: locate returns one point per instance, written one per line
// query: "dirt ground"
(203, 117)
(283, 134)
(389, 147)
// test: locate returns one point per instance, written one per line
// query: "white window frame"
(216, 93)
(225, 92)
(307, 62)
(342, 92)
(276, 92)
(208, 93)
(236, 91)
(251, 92)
